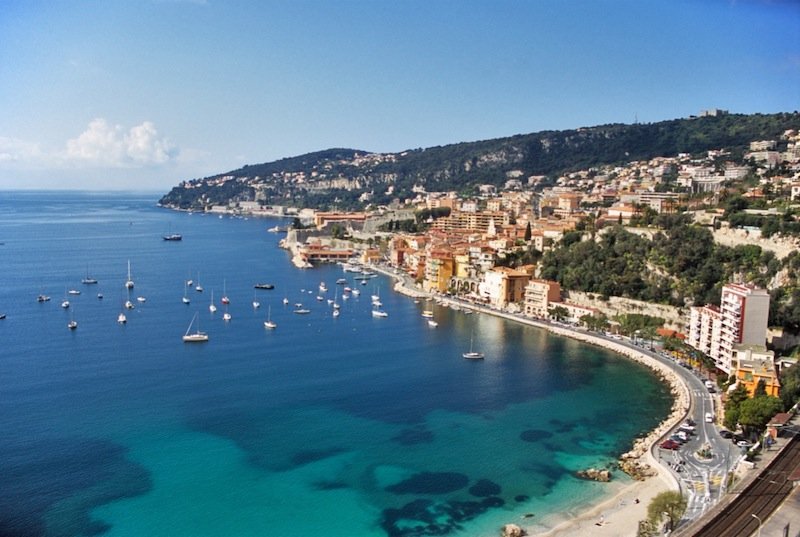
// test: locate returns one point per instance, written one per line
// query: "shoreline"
(620, 514)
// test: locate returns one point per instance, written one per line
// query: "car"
(676, 438)
(709, 417)
(690, 421)
(744, 444)
(724, 433)
(670, 444)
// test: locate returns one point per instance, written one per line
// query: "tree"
(670, 504)
(558, 313)
(755, 413)
(528, 232)
(790, 385)
(735, 399)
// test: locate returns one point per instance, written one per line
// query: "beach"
(620, 514)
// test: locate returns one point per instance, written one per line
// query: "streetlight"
(759, 523)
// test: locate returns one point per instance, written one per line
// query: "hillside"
(343, 176)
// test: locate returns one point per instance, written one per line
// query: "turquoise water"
(337, 426)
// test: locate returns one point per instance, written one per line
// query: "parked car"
(670, 444)
(724, 433)
(744, 444)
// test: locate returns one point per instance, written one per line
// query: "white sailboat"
(72, 324)
(185, 296)
(196, 336)
(121, 318)
(129, 281)
(198, 287)
(224, 299)
(212, 307)
(256, 303)
(65, 302)
(226, 316)
(269, 323)
(472, 355)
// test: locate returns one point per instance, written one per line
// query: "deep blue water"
(336, 426)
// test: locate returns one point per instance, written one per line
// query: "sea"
(338, 426)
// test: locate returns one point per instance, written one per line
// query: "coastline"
(618, 515)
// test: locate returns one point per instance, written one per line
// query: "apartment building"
(539, 295)
(754, 363)
(740, 319)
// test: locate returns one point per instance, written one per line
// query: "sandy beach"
(620, 514)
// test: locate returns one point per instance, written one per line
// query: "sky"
(143, 94)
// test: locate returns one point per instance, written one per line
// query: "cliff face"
(343, 177)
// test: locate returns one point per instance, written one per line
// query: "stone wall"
(782, 246)
(673, 317)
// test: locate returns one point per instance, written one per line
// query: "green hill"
(341, 176)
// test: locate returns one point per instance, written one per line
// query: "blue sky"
(141, 94)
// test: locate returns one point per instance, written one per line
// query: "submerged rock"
(512, 530)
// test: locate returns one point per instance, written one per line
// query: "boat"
(356, 292)
(212, 307)
(72, 324)
(170, 236)
(472, 354)
(141, 299)
(432, 323)
(99, 296)
(198, 287)
(285, 301)
(264, 286)
(42, 298)
(379, 313)
(428, 314)
(196, 336)
(341, 281)
(269, 323)
(185, 296)
(226, 316)
(301, 311)
(121, 318)
(65, 303)
(224, 299)
(323, 287)
(73, 292)
(256, 303)
(2, 316)
(128, 304)
(129, 281)
(88, 280)
(336, 313)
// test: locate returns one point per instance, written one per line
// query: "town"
(498, 250)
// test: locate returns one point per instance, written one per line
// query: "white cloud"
(14, 150)
(106, 145)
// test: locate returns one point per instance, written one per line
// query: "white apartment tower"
(740, 319)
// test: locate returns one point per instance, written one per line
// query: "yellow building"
(438, 271)
(539, 295)
(753, 364)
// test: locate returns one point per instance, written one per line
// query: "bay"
(339, 426)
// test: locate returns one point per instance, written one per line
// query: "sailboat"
(472, 355)
(197, 336)
(212, 307)
(185, 296)
(72, 324)
(224, 299)
(226, 316)
(198, 287)
(129, 281)
(88, 280)
(128, 303)
(65, 303)
(121, 318)
(256, 303)
(269, 323)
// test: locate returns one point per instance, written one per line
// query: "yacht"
(269, 323)
(379, 313)
(196, 336)
(121, 318)
(129, 281)
(428, 314)
(472, 354)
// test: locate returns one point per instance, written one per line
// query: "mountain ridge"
(348, 177)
